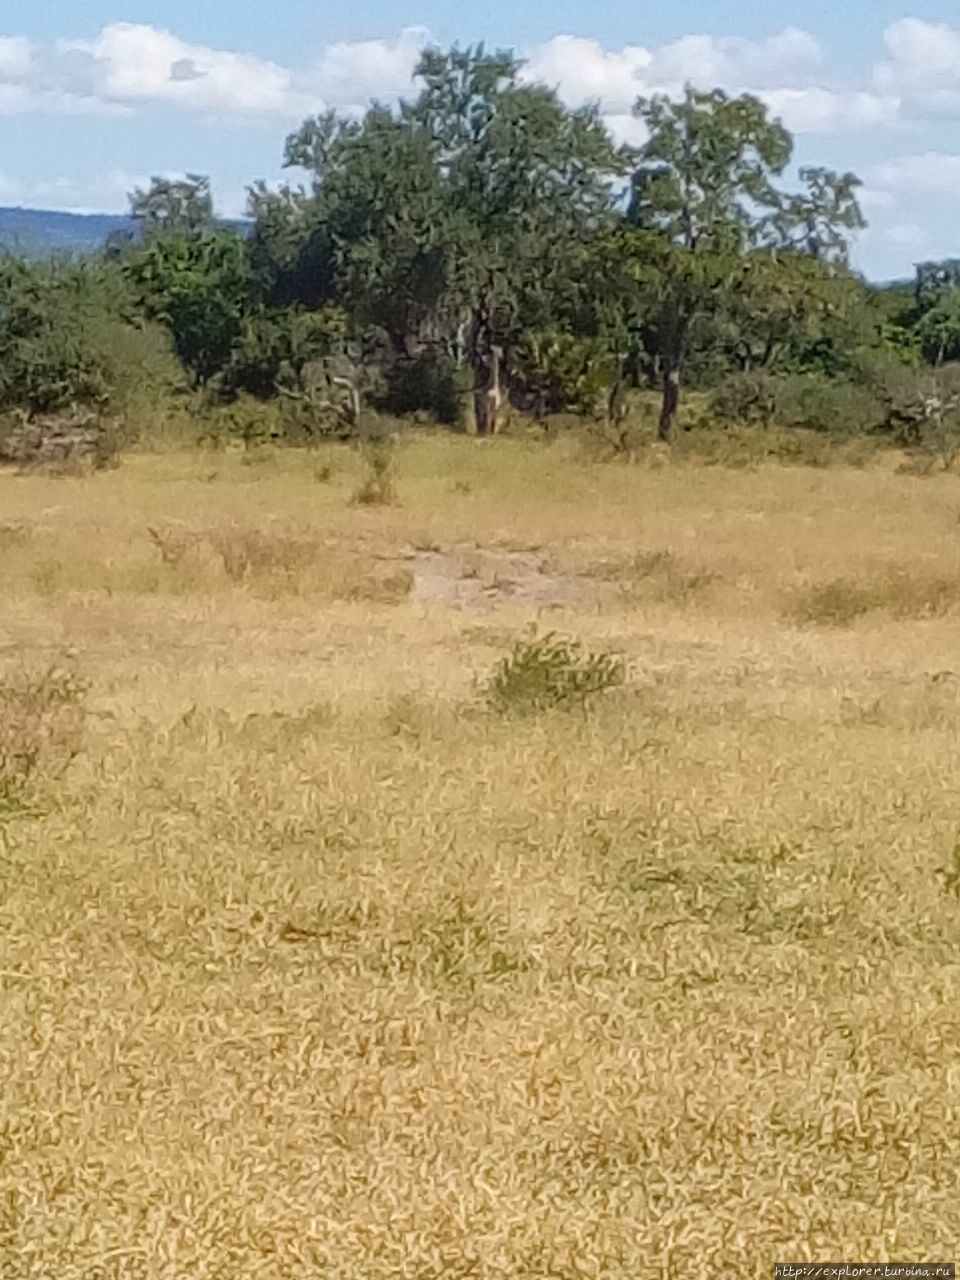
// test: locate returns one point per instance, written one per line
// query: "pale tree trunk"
(671, 401)
(486, 371)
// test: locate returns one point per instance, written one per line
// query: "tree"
(783, 312)
(73, 346)
(451, 219)
(200, 289)
(934, 279)
(49, 361)
(525, 180)
(938, 330)
(378, 213)
(705, 188)
(820, 220)
(936, 310)
(173, 207)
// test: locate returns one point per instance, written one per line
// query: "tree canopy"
(481, 245)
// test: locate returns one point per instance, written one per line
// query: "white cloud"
(350, 74)
(130, 67)
(814, 110)
(583, 72)
(907, 235)
(626, 128)
(932, 173)
(873, 199)
(787, 58)
(922, 67)
(129, 64)
(781, 70)
(16, 58)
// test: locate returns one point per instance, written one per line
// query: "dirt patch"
(473, 577)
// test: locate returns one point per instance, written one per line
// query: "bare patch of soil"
(475, 577)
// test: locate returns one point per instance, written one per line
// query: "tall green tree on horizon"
(173, 207)
(452, 218)
(705, 197)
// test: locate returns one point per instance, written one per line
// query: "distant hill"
(39, 232)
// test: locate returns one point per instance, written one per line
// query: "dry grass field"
(314, 964)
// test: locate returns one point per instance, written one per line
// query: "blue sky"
(97, 95)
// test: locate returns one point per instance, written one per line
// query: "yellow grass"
(312, 966)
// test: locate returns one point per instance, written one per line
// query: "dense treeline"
(483, 250)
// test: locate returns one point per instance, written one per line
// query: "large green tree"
(201, 290)
(453, 219)
(173, 207)
(706, 199)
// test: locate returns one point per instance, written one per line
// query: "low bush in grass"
(551, 671)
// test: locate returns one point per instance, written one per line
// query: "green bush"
(558, 372)
(73, 350)
(746, 399)
(425, 383)
(923, 414)
(550, 671)
(823, 404)
(807, 400)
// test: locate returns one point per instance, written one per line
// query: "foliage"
(938, 331)
(840, 602)
(550, 671)
(750, 399)
(424, 382)
(47, 360)
(198, 288)
(275, 347)
(558, 372)
(180, 207)
(705, 189)
(72, 345)
(477, 243)
(805, 400)
(323, 398)
(450, 220)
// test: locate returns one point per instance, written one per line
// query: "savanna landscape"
(319, 959)
(479, 704)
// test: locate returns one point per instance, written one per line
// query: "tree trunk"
(351, 411)
(671, 401)
(486, 369)
(466, 409)
(617, 398)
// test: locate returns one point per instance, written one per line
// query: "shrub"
(923, 412)
(555, 372)
(246, 552)
(826, 404)
(73, 443)
(426, 382)
(252, 421)
(807, 400)
(321, 400)
(41, 723)
(746, 398)
(842, 601)
(660, 576)
(550, 671)
(173, 542)
(378, 487)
